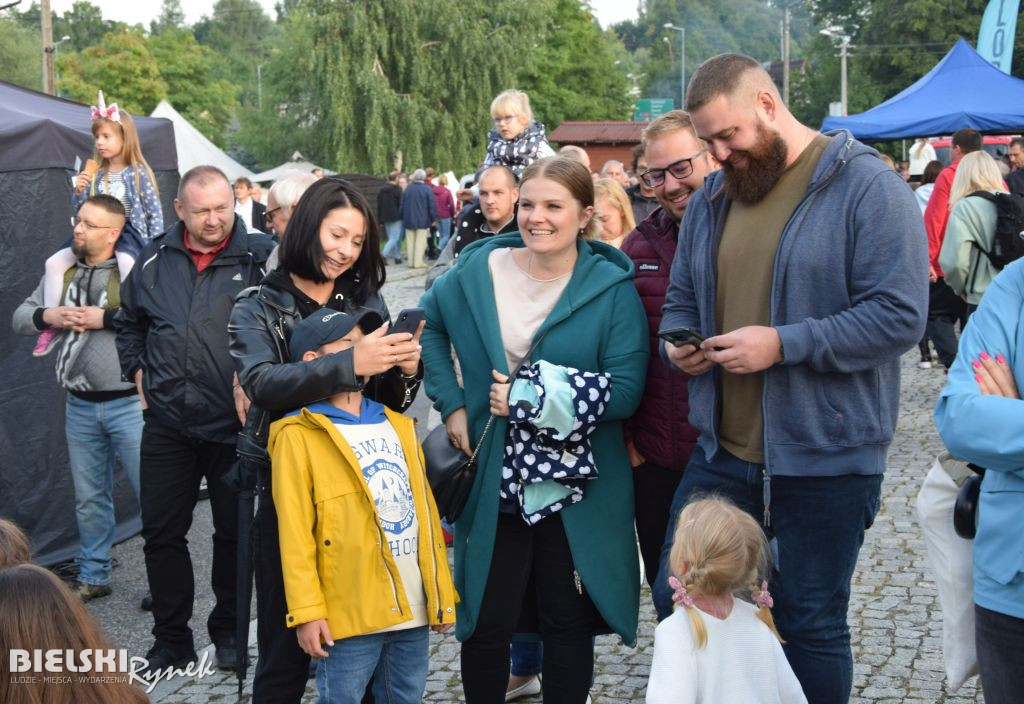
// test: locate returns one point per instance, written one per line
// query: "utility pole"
(47, 22)
(785, 55)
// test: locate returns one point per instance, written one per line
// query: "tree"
(21, 54)
(571, 72)
(85, 25)
(239, 32)
(171, 17)
(188, 70)
(121, 66)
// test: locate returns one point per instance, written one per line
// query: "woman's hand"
(499, 394)
(442, 627)
(457, 426)
(83, 181)
(378, 352)
(994, 376)
(411, 365)
(310, 635)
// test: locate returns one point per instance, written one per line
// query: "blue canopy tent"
(962, 90)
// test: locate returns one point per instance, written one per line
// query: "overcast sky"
(135, 11)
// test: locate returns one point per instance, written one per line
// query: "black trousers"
(945, 310)
(171, 467)
(532, 565)
(999, 640)
(282, 667)
(654, 487)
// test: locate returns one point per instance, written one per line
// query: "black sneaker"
(88, 592)
(161, 656)
(227, 653)
(147, 602)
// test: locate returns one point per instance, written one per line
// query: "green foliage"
(571, 73)
(239, 32)
(21, 56)
(171, 17)
(188, 70)
(121, 66)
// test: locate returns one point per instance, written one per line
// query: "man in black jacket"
(172, 340)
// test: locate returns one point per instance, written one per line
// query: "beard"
(78, 249)
(765, 165)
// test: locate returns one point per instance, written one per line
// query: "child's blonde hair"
(131, 149)
(719, 549)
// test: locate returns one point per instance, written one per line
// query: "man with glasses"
(659, 437)
(804, 263)
(103, 417)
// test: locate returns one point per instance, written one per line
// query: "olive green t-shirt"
(746, 259)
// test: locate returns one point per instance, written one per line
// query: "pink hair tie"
(104, 111)
(762, 597)
(679, 595)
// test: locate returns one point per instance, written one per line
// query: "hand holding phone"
(408, 320)
(682, 336)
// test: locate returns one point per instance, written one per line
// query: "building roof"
(606, 132)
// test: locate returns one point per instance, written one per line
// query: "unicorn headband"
(103, 111)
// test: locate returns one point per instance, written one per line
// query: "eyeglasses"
(75, 220)
(503, 120)
(679, 170)
(270, 213)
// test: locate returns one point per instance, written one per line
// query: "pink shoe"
(47, 340)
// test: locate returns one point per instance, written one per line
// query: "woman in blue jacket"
(554, 558)
(981, 419)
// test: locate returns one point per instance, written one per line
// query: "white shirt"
(244, 211)
(917, 163)
(386, 473)
(742, 661)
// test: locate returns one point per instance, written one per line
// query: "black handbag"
(450, 471)
(965, 510)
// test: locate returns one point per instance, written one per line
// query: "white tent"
(297, 163)
(194, 149)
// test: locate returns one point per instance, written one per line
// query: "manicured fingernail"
(1001, 359)
(984, 355)
(977, 364)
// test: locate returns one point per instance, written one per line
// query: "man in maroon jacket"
(659, 438)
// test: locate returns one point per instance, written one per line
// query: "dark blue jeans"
(818, 525)
(999, 640)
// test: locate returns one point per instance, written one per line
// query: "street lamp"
(844, 52)
(682, 59)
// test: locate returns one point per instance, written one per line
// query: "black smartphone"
(407, 321)
(682, 336)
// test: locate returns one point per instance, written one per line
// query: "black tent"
(40, 136)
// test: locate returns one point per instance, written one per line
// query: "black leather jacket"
(261, 325)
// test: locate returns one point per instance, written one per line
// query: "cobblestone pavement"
(894, 614)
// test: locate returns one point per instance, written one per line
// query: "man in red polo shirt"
(172, 340)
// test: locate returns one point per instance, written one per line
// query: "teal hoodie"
(989, 431)
(597, 325)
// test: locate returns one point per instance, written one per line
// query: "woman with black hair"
(330, 257)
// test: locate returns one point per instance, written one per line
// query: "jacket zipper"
(382, 542)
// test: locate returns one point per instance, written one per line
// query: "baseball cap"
(327, 325)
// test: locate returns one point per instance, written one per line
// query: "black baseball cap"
(327, 325)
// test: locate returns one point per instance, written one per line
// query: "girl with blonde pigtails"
(716, 647)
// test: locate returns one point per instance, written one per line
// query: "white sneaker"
(530, 688)
(924, 364)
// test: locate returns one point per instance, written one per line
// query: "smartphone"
(682, 336)
(407, 321)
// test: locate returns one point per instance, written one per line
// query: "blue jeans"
(444, 229)
(397, 661)
(818, 525)
(395, 232)
(96, 432)
(527, 658)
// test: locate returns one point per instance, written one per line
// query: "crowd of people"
(697, 365)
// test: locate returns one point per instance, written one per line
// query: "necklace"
(529, 272)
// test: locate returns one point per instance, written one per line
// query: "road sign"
(649, 108)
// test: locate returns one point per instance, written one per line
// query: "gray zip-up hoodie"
(849, 296)
(86, 361)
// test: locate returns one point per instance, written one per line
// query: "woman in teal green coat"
(568, 571)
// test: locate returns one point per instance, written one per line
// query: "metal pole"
(259, 85)
(682, 66)
(785, 57)
(47, 26)
(843, 53)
